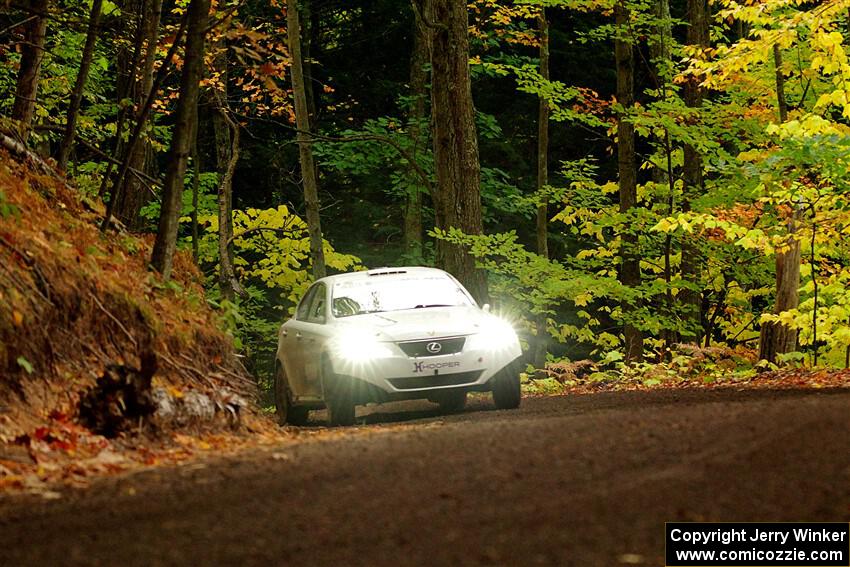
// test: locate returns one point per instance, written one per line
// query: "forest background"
(659, 186)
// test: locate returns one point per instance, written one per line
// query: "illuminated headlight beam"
(497, 335)
(359, 348)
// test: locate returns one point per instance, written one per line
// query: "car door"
(291, 344)
(314, 334)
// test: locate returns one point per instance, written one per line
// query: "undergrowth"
(687, 366)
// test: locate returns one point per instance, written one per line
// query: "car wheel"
(451, 401)
(506, 387)
(339, 397)
(286, 412)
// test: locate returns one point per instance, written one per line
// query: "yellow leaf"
(823, 100)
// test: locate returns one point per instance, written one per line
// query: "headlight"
(359, 347)
(497, 334)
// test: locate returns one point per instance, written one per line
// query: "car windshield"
(378, 294)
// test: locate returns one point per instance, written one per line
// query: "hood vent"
(385, 271)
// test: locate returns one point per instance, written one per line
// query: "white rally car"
(391, 334)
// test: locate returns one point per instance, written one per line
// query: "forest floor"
(564, 480)
(781, 379)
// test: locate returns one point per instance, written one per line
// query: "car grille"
(435, 380)
(420, 348)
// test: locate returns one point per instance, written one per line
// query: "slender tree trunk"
(660, 52)
(455, 142)
(690, 299)
(541, 342)
(815, 305)
(776, 338)
(847, 351)
(305, 150)
(309, 28)
(227, 155)
(193, 66)
(781, 103)
(26, 90)
(133, 195)
(196, 184)
(627, 168)
(80, 85)
(543, 142)
(417, 115)
(308, 33)
(227, 130)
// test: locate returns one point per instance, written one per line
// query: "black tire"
(505, 384)
(451, 401)
(339, 397)
(286, 412)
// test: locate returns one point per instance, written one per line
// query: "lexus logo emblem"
(434, 348)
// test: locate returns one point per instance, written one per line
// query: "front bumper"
(399, 376)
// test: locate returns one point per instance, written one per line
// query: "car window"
(304, 306)
(374, 295)
(317, 306)
(345, 307)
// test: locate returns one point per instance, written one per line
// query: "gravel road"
(578, 480)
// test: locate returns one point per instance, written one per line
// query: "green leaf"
(25, 364)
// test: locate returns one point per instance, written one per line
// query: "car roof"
(381, 273)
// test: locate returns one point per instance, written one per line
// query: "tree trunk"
(227, 155)
(847, 351)
(417, 115)
(308, 31)
(80, 85)
(541, 340)
(660, 52)
(26, 90)
(196, 185)
(543, 142)
(133, 195)
(626, 166)
(690, 299)
(455, 142)
(780, 84)
(193, 66)
(776, 338)
(305, 150)
(309, 26)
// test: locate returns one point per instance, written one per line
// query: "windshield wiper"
(422, 306)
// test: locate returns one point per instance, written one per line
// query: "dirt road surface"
(581, 480)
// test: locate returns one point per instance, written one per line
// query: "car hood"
(412, 324)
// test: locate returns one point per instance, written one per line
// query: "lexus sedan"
(391, 334)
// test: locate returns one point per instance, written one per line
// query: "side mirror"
(486, 308)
